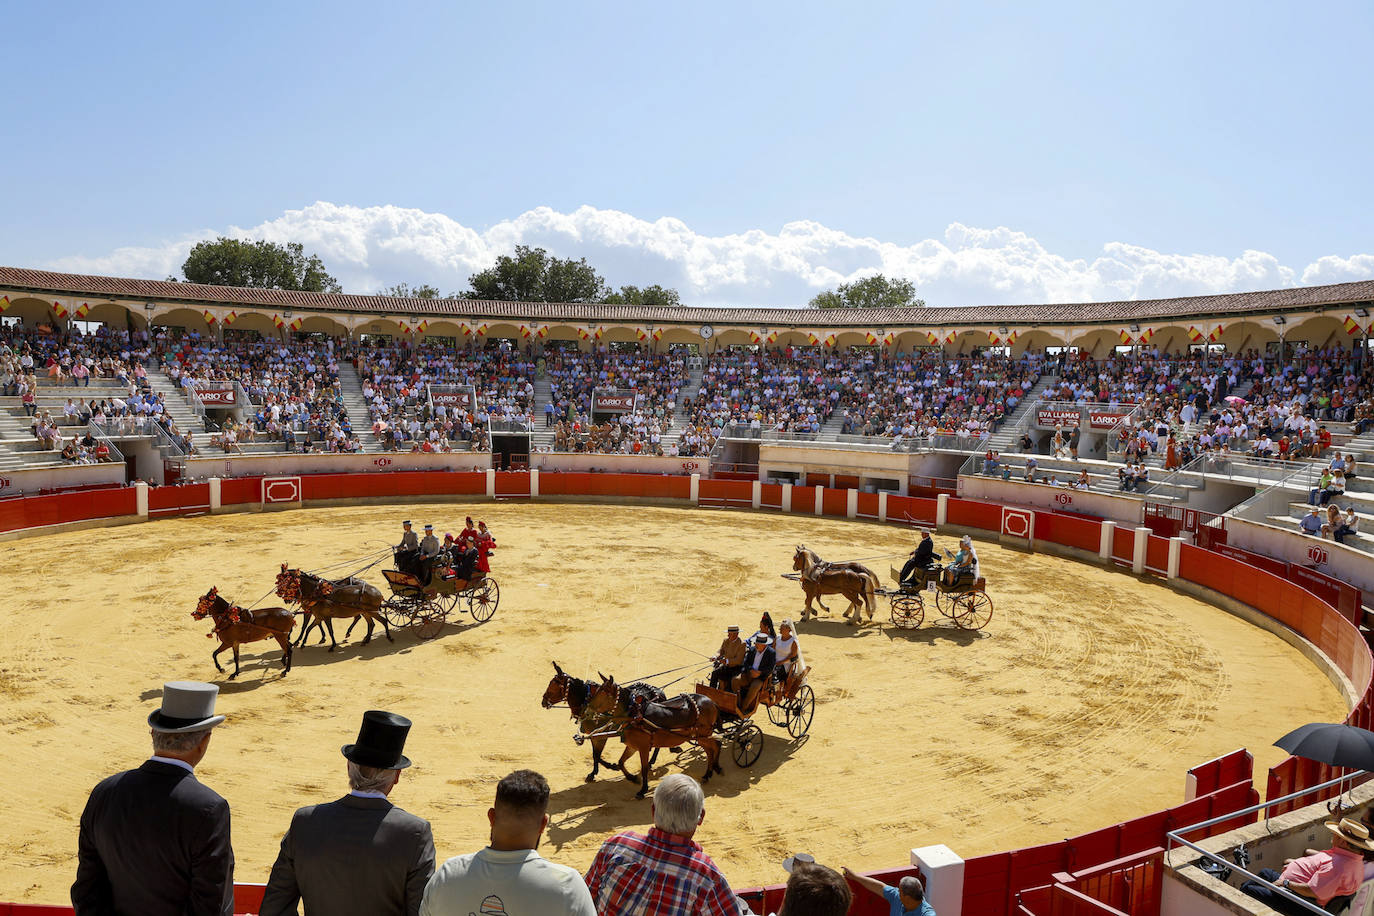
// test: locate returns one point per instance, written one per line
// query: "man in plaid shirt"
(664, 873)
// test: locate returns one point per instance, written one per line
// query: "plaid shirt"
(657, 875)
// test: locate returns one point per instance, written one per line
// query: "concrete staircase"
(351, 390)
(1004, 439)
(541, 435)
(689, 389)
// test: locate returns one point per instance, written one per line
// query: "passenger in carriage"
(758, 665)
(766, 626)
(485, 545)
(963, 568)
(787, 651)
(467, 538)
(922, 559)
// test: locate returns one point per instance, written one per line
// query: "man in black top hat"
(360, 855)
(154, 840)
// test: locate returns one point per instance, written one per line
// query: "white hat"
(762, 637)
(187, 706)
(797, 858)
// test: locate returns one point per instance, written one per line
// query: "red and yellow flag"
(1194, 334)
(993, 339)
(209, 317)
(755, 337)
(933, 338)
(482, 329)
(1147, 335)
(297, 323)
(599, 333)
(813, 338)
(83, 310)
(277, 320)
(1352, 327)
(543, 331)
(1126, 338)
(59, 309)
(1216, 334)
(4, 303)
(423, 326)
(231, 317)
(657, 335)
(951, 337)
(871, 338)
(830, 340)
(584, 334)
(890, 338)
(772, 337)
(1011, 338)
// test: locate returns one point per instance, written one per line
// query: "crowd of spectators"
(656, 379)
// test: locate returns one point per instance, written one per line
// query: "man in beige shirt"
(729, 660)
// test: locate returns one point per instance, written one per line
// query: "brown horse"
(688, 718)
(854, 581)
(576, 692)
(327, 601)
(235, 625)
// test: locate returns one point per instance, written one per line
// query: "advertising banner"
(613, 403)
(216, 397)
(1050, 417)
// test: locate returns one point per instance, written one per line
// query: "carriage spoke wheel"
(429, 623)
(449, 601)
(976, 610)
(800, 709)
(396, 613)
(908, 611)
(483, 600)
(777, 713)
(746, 744)
(944, 602)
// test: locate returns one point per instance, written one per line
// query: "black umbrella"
(1334, 743)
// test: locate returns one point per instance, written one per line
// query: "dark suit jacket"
(360, 856)
(924, 554)
(154, 841)
(770, 658)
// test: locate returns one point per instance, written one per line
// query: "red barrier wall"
(972, 513)
(911, 510)
(868, 505)
(770, 496)
(804, 500)
(726, 492)
(1084, 534)
(1123, 545)
(513, 483)
(54, 509)
(835, 502)
(191, 497)
(1157, 554)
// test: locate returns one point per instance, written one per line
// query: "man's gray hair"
(678, 803)
(912, 887)
(176, 742)
(368, 779)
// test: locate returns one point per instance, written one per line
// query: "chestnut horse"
(688, 718)
(327, 600)
(576, 692)
(235, 625)
(854, 581)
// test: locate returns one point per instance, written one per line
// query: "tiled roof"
(200, 295)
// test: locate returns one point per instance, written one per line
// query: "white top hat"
(187, 706)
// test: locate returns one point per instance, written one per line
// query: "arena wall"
(1018, 881)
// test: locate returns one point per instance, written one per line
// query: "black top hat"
(381, 739)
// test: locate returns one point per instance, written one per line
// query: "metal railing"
(116, 456)
(1176, 836)
(1274, 499)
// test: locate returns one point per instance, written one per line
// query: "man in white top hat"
(155, 840)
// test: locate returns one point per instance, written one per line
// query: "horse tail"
(870, 589)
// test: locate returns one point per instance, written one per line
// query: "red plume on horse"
(235, 625)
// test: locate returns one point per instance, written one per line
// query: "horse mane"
(578, 691)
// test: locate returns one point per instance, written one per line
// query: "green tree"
(876, 292)
(259, 265)
(530, 275)
(405, 291)
(649, 295)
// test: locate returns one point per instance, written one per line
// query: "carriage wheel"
(449, 601)
(977, 611)
(746, 744)
(429, 623)
(800, 709)
(396, 613)
(777, 713)
(908, 611)
(483, 600)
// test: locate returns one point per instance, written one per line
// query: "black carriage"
(422, 596)
(965, 603)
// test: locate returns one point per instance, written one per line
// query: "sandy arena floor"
(1080, 705)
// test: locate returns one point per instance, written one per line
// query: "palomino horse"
(688, 718)
(235, 625)
(328, 600)
(576, 692)
(854, 581)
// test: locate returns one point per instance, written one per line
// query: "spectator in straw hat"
(1335, 872)
(360, 855)
(155, 840)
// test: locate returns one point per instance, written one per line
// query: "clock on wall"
(707, 332)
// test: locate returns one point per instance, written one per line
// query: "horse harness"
(639, 718)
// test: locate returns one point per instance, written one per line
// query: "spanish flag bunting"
(423, 326)
(1194, 334)
(642, 334)
(755, 337)
(4, 303)
(584, 334)
(543, 331)
(465, 328)
(772, 337)
(932, 337)
(1216, 334)
(1146, 335)
(599, 332)
(813, 338)
(209, 316)
(830, 340)
(951, 337)
(59, 308)
(482, 329)
(277, 320)
(296, 323)
(1011, 338)
(1352, 327)
(231, 316)
(890, 338)
(993, 339)
(525, 331)
(871, 338)
(83, 309)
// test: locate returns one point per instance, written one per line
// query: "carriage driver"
(963, 567)
(408, 539)
(729, 661)
(429, 547)
(922, 559)
(758, 665)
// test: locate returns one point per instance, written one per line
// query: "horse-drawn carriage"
(424, 594)
(965, 603)
(791, 704)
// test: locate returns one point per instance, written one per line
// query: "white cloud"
(368, 248)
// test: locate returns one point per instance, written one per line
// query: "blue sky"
(745, 153)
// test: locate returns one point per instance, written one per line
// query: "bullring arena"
(1138, 640)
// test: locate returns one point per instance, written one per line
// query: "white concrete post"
(141, 498)
(942, 873)
(851, 508)
(1175, 555)
(491, 483)
(820, 500)
(1104, 545)
(882, 506)
(534, 482)
(787, 497)
(757, 497)
(695, 495)
(215, 502)
(1142, 542)
(941, 509)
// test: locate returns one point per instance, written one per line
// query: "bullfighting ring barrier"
(1117, 868)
